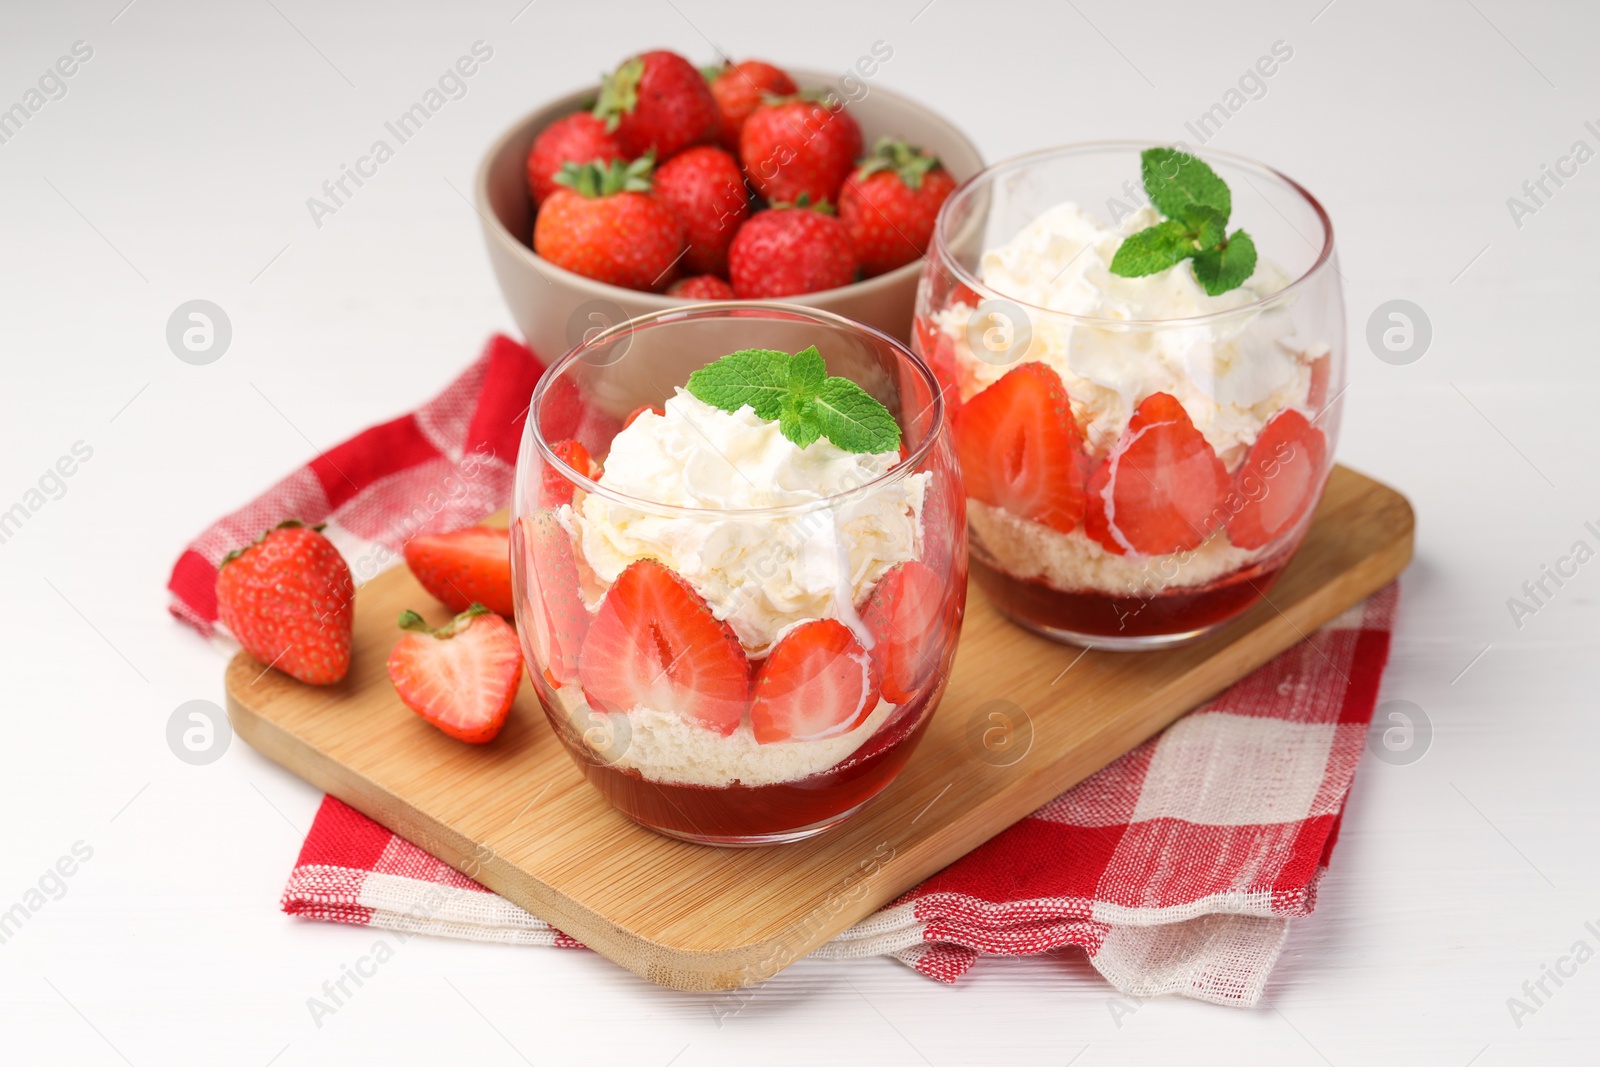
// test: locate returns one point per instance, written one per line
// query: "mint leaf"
(797, 418)
(1228, 267)
(800, 424)
(1153, 251)
(855, 421)
(755, 376)
(1206, 225)
(796, 392)
(807, 372)
(1176, 180)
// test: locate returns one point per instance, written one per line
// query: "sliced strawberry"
(1020, 448)
(466, 566)
(636, 412)
(817, 682)
(903, 614)
(461, 677)
(1159, 487)
(553, 632)
(1278, 481)
(656, 644)
(555, 490)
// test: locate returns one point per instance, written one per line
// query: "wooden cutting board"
(519, 816)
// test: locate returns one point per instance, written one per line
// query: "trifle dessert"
(1144, 406)
(739, 586)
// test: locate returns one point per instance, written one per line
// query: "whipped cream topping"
(1231, 374)
(762, 574)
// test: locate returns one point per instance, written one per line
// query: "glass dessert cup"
(662, 638)
(1141, 458)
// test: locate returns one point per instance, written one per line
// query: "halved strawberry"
(461, 677)
(636, 412)
(1278, 480)
(553, 634)
(1020, 448)
(554, 489)
(466, 566)
(1159, 487)
(656, 644)
(903, 614)
(816, 682)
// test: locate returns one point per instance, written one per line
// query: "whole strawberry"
(890, 204)
(603, 223)
(579, 138)
(790, 250)
(700, 287)
(658, 102)
(738, 89)
(705, 188)
(799, 147)
(289, 600)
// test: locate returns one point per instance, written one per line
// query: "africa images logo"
(52, 85)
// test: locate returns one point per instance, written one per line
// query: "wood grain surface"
(519, 816)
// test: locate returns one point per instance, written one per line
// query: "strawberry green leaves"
(797, 393)
(603, 177)
(911, 164)
(1196, 203)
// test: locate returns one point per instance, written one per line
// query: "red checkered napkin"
(448, 464)
(1177, 868)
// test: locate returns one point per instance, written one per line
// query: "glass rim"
(720, 309)
(940, 257)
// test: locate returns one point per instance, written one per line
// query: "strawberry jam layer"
(1177, 614)
(739, 814)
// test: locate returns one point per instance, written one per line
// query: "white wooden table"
(177, 166)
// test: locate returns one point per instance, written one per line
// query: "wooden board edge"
(668, 965)
(738, 966)
(1011, 804)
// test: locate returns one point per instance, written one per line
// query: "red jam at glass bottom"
(783, 811)
(1168, 617)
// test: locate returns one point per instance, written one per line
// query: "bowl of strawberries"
(669, 185)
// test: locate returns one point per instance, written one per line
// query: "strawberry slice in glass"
(556, 621)
(655, 644)
(901, 612)
(1279, 480)
(1157, 491)
(817, 682)
(1020, 448)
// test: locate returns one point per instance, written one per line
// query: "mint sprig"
(796, 392)
(1196, 203)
